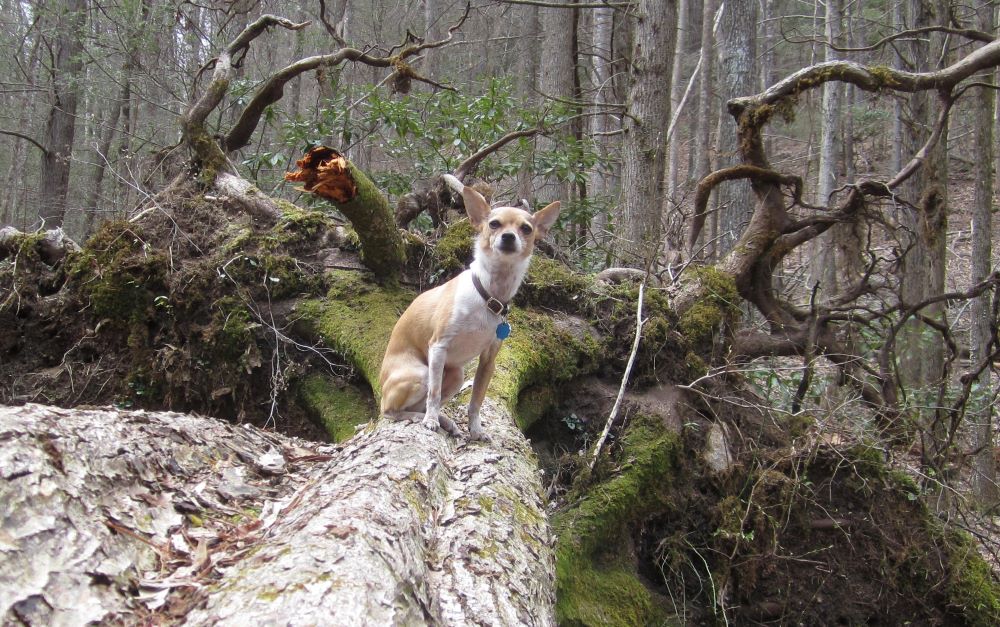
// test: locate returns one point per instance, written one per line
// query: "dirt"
(792, 535)
(182, 310)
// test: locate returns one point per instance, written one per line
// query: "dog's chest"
(472, 327)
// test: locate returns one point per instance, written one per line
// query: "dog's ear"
(544, 218)
(476, 206)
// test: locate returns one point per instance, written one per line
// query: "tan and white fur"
(447, 327)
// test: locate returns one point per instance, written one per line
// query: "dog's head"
(507, 231)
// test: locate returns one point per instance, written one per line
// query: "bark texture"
(397, 526)
(644, 152)
(60, 128)
(737, 60)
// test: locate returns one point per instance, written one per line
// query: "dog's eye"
(526, 229)
(494, 224)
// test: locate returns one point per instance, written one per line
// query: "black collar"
(497, 307)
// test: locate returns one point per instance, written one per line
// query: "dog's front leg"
(484, 372)
(435, 374)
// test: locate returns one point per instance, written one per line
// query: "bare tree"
(983, 314)
(737, 69)
(701, 142)
(644, 152)
(60, 129)
(676, 91)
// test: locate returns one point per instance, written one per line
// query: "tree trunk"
(984, 478)
(556, 79)
(737, 61)
(398, 526)
(922, 349)
(644, 150)
(703, 119)
(833, 252)
(433, 31)
(676, 92)
(53, 184)
(602, 181)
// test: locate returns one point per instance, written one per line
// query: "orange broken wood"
(324, 172)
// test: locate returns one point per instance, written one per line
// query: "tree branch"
(273, 88)
(871, 78)
(470, 163)
(223, 69)
(711, 181)
(567, 5)
(25, 138)
(968, 33)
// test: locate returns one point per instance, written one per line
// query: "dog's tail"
(453, 183)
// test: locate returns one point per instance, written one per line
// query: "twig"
(639, 322)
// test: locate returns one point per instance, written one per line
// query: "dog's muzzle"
(508, 243)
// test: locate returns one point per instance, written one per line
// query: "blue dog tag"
(503, 330)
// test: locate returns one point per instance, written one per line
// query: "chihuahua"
(446, 327)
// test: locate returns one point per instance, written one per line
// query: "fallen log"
(116, 515)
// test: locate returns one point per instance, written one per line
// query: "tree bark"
(644, 150)
(737, 63)
(556, 79)
(922, 350)
(703, 120)
(984, 478)
(833, 253)
(399, 525)
(60, 128)
(676, 91)
(602, 180)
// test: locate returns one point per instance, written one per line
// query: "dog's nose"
(508, 239)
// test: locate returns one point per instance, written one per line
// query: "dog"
(447, 327)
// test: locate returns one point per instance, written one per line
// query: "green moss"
(704, 319)
(884, 75)
(661, 348)
(338, 409)
(382, 247)
(25, 245)
(539, 351)
(601, 595)
(299, 227)
(592, 588)
(119, 275)
(453, 251)
(356, 319)
(532, 404)
(797, 425)
(553, 285)
(972, 588)
(212, 159)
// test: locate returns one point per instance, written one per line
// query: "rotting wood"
(323, 171)
(326, 173)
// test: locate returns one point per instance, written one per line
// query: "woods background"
(805, 189)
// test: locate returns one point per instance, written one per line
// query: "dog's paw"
(448, 425)
(479, 435)
(430, 423)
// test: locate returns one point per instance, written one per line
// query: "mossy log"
(597, 576)
(49, 246)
